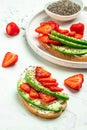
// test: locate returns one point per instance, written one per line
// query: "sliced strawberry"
(48, 84)
(41, 72)
(43, 38)
(9, 59)
(33, 93)
(44, 29)
(46, 98)
(63, 31)
(12, 29)
(54, 24)
(47, 40)
(25, 87)
(75, 81)
(55, 88)
(72, 33)
(78, 36)
(49, 79)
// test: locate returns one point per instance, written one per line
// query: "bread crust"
(49, 49)
(37, 112)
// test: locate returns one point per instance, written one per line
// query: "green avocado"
(55, 106)
(68, 38)
(30, 78)
(69, 50)
(67, 43)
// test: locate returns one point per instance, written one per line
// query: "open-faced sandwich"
(40, 93)
(63, 43)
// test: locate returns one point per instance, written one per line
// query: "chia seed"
(64, 7)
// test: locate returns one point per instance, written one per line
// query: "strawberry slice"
(46, 98)
(78, 36)
(63, 31)
(55, 88)
(25, 87)
(49, 79)
(9, 59)
(54, 24)
(48, 84)
(33, 93)
(47, 40)
(44, 29)
(72, 33)
(43, 38)
(75, 81)
(41, 72)
(12, 29)
(47, 27)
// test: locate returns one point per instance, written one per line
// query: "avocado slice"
(55, 106)
(69, 50)
(30, 78)
(68, 43)
(68, 38)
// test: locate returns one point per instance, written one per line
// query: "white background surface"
(13, 116)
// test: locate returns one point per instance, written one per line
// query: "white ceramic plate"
(31, 37)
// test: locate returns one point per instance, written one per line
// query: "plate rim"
(40, 51)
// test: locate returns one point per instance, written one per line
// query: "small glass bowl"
(63, 17)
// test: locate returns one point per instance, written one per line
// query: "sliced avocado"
(67, 43)
(69, 50)
(30, 78)
(68, 38)
(54, 106)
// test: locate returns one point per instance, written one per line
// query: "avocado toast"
(63, 43)
(40, 93)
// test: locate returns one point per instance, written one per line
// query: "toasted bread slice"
(82, 58)
(42, 113)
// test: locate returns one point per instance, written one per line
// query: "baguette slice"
(82, 58)
(47, 114)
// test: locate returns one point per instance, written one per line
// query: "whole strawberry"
(12, 29)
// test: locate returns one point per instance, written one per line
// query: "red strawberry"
(63, 31)
(55, 88)
(78, 28)
(78, 36)
(33, 93)
(49, 84)
(46, 98)
(12, 29)
(75, 81)
(25, 87)
(46, 39)
(72, 33)
(41, 72)
(54, 24)
(49, 79)
(9, 59)
(44, 29)
(47, 27)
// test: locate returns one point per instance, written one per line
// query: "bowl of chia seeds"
(64, 10)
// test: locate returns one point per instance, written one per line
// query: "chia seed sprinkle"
(64, 7)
